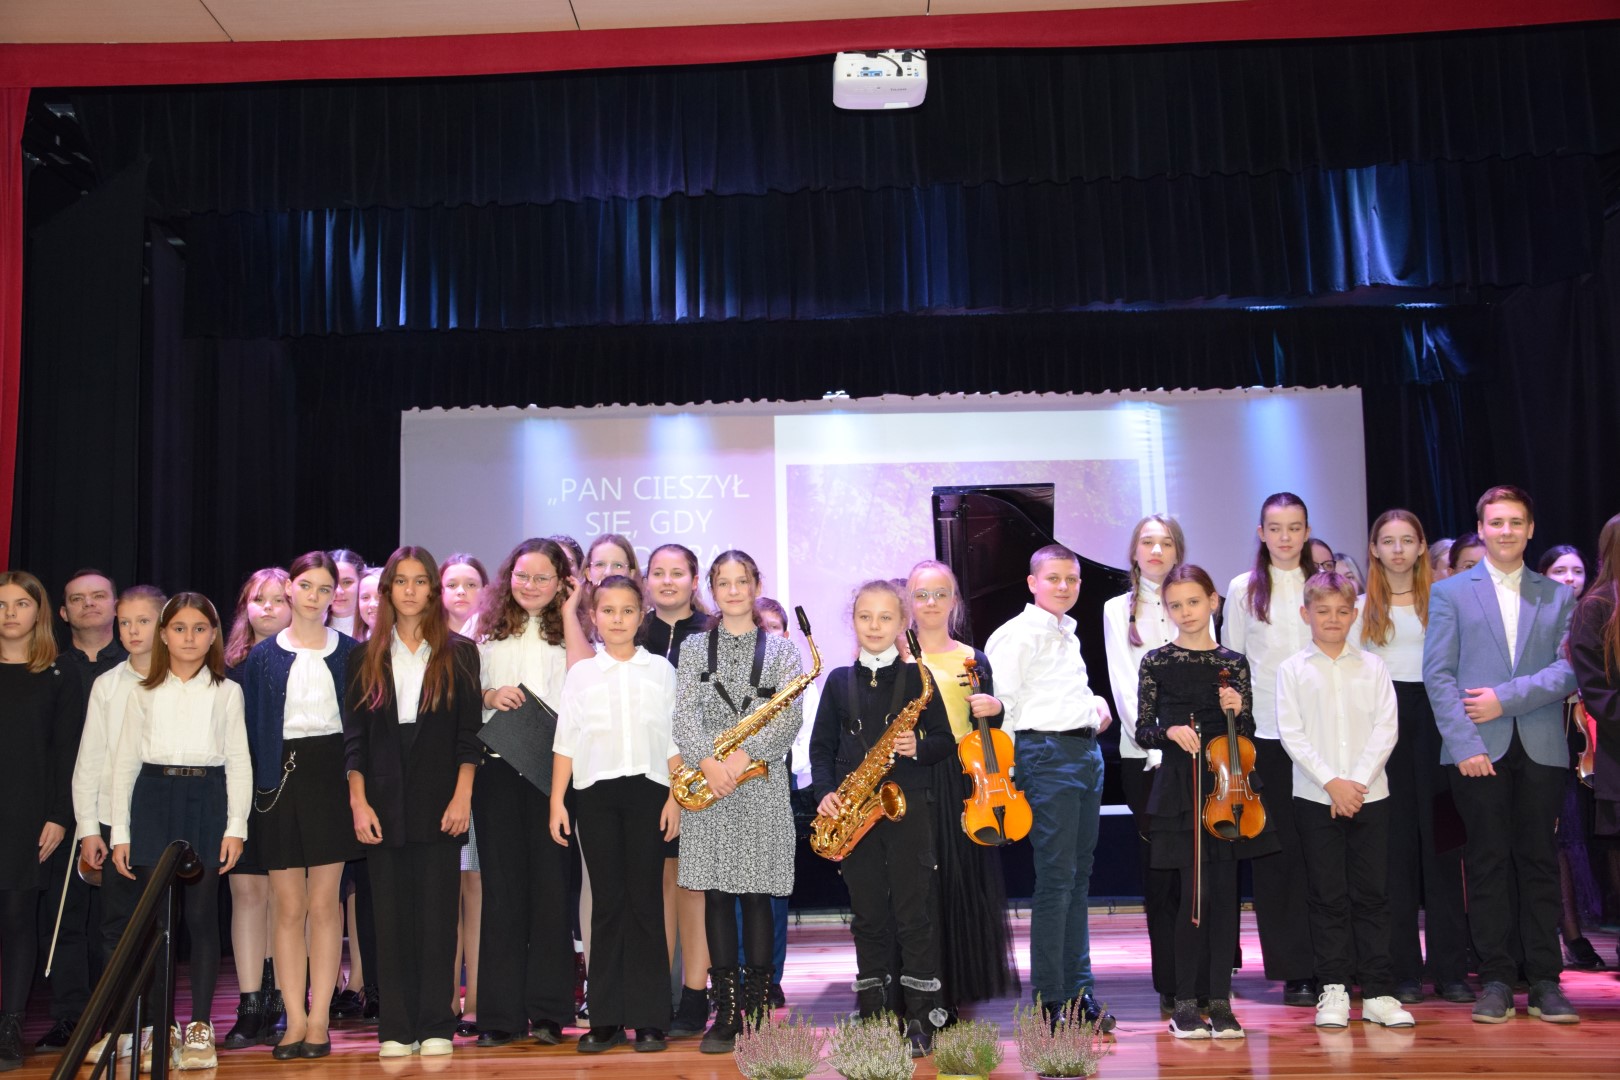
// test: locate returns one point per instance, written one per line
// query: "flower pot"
(962, 1076)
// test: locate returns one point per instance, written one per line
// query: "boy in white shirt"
(1336, 716)
(1055, 720)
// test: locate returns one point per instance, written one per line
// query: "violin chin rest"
(1227, 830)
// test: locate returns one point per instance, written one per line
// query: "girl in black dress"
(1181, 706)
(293, 697)
(41, 712)
(411, 747)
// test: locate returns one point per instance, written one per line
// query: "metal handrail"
(119, 1001)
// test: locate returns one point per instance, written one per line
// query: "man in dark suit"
(1497, 676)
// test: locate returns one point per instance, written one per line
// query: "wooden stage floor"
(1281, 1043)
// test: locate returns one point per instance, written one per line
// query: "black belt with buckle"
(151, 769)
(1072, 733)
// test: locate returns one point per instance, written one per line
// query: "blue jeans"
(1063, 780)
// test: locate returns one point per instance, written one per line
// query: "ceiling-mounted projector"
(887, 79)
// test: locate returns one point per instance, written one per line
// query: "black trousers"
(70, 971)
(19, 947)
(1281, 895)
(1161, 889)
(1347, 862)
(629, 953)
(526, 957)
(119, 895)
(1511, 819)
(1418, 877)
(1203, 953)
(416, 889)
(889, 875)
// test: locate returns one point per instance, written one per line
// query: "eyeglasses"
(1326, 565)
(922, 596)
(519, 578)
(617, 567)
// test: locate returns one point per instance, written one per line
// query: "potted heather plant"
(788, 1048)
(1069, 1047)
(967, 1050)
(871, 1049)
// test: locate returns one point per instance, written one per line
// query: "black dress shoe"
(1167, 1003)
(488, 1037)
(346, 1006)
(467, 1029)
(601, 1039)
(1095, 1013)
(373, 1007)
(316, 1050)
(57, 1038)
(649, 1040)
(776, 999)
(1409, 992)
(1299, 993)
(288, 1051)
(548, 1033)
(1456, 992)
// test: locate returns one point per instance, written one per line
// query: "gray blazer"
(1466, 647)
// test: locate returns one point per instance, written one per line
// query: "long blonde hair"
(1377, 626)
(42, 638)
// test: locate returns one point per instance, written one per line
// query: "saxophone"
(864, 795)
(690, 788)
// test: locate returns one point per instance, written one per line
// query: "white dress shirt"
(1266, 645)
(1040, 677)
(410, 669)
(615, 718)
(525, 659)
(93, 769)
(343, 624)
(1507, 597)
(312, 704)
(196, 723)
(1154, 627)
(1337, 718)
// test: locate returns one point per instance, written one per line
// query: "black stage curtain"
(810, 255)
(79, 420)
(1002, 116)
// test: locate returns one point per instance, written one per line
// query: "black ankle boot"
(722, 1035)
(249, 1022)
(274, 1021)
(756, 987)
(11, 1041)
(692, 1015)
(924, 1013)
(871, 995)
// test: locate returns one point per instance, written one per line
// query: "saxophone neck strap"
(754, 675)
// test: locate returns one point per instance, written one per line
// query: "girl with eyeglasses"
(532, 635)
(976, 962)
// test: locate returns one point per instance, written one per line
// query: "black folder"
(523, 737)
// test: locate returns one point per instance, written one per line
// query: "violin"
(1586, 760)
(997, 813)
(1233, 810)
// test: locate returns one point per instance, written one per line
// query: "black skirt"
(307, 821)
(974, 937)
(163, 809)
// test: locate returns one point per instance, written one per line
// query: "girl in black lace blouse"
(1181, 706)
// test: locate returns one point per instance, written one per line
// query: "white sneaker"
(437, 1047)
(176, 1037)
(197, 1049)
(125, 1046)
(392, 1049)
(1386, 1011)
(1333, 1007)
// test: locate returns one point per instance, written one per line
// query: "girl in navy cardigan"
(292, 688)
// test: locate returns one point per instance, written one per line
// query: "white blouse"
(526, 659)
(410, 669)
(343, 624)
(1154, 627)
(1266, 644)
(93, 770)
(197, 722)
(615, 718)
(1403, 656)
(312, 703)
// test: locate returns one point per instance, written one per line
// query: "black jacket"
(409, 796)
(835, 749)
